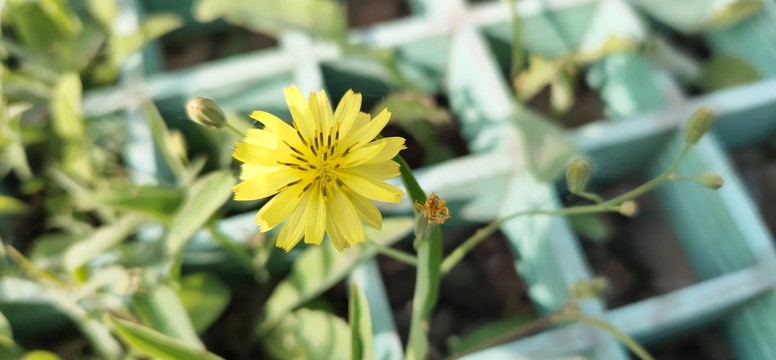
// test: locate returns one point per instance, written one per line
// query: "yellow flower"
(324, 170)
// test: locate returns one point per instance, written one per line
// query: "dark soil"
(757, 169)
(189, 50)
(363, 13)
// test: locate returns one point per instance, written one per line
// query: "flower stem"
(395, 254)
(626, 340)
(235, 130)
(611, 205)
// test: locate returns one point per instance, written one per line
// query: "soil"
(190, 50)
(757, 170)
(363, 13)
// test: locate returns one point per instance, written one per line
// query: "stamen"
(292, 148)
(301, 159)
(301, 137)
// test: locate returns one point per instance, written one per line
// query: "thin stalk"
(395, 254)
(517, 40)
(626, 340)
(235, 130)
(649, 185)
(229, 245)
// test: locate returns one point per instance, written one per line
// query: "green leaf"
(205, 297)
(155, 202)
(101, 240)
(155, 344)
(724, 71)
(319, 268)
(9, 205)
(360, 325)
(68, 124)
(324, 18)
(39, 24)
(163, 139)
(104, 11)
(548, 149)
(309, 334)
(163, 311)
(203, 199)
(418, 114)
(6, 335)
(732, 14)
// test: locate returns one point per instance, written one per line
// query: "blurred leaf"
(68, 124)
(9, 205)
(360, 325)
(101, 240)
(104, 11)
(154, 26)
(485, 333)
(203, 199)
(724, 71)
(732, 14)
(319, 268)
(40, 355)
(548, 149)
(44, 22)
(540, 73)
(162, 309)
(418, 114)
(205, 297)
(162, 138)
(155, 202)
(155, 344)
(591, 226)
(562, 93)
(6, 335)
(323, 18)
(309, 334)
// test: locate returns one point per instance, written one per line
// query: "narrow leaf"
(101, 240)
(205, 297)
(360, 325)
(155, 202)
(155, 344)
(9, 205)
(163, 311)
(162, 137)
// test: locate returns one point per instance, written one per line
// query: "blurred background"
(113, 202)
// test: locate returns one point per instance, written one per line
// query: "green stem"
(631, 344)
(517, 41)
(229, 245)
(395, 254)
(457, 255)
(649, 185)
(235, 130)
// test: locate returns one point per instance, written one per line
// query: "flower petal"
(278, 208)
(367, 211)
(383, 170)
(262, 138)
(347, 112)
(259, 187)
(372, 188)
(370, 130)
(293, 227)
(315, 216)
(254, 154)
(250, 170)
(273, 124)
(321, 108)
(363, 154)
(300, 111)
(343, 219)
(392, 147)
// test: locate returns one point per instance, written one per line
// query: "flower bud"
(205, 112)
(577, 175)
(699, 124)
(711, 180)
(629, 208)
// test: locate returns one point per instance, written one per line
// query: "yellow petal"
(315, 216)
(300, 111)
(363, 154)
(278, 208)
(384, 170)
(392, 147)
(321, 108)
(372, 188)
(254, 154)
(279, 127)
(250, 170)
(262, 137)
(368, 132)
(267, 184)
(367, 211)
(347, 112)
(293, 227)
(346, 222)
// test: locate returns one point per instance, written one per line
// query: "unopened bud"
(588, 289)
(577, 175)
(629, 208)
(205, 112)
(711, 180)
(699, 124)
